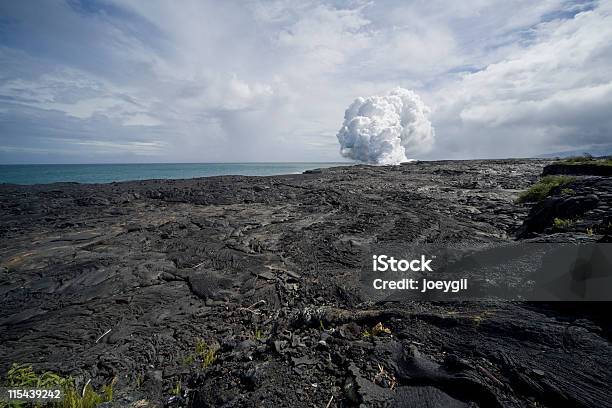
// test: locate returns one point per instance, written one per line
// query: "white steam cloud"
(384, 129)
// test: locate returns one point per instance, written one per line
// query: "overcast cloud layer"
(197, 81)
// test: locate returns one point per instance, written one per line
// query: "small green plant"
(562, 224)
(176, 390)
(189, 360)
(88, 398)
(377, 330)
(589, 231)
(204, 353)
(22, 375)
(258, 334)
(567, 191)
(544, 188)
(207, 354)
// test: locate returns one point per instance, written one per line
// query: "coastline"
(32, 174)
(305, 167)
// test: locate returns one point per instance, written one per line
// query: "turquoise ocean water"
(106, 173)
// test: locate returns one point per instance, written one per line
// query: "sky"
(234, 81)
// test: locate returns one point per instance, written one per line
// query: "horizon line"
(138, 163)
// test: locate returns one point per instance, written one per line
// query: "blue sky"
(197, 81)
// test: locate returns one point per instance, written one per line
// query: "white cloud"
(146, 148)
(270, 80)
(141, 119)
(78, 95)
(556, 91)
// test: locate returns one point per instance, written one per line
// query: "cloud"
(384, 129)
(78, 95)
(270, 80)
(553, 94)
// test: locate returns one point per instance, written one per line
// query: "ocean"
(106, 173)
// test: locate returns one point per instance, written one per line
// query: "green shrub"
(578, 159)
(587, 158)
(544, 188)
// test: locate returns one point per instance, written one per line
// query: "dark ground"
(266, 269)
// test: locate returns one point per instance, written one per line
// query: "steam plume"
(386, 129)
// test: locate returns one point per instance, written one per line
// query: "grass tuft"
(22, 375)
(544, 188)
(258, 334)
(207, 354)
(563, 224)
(177, 389)
(377, 330)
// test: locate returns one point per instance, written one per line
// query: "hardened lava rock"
(244, 291)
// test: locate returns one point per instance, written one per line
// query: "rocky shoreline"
(244, 291)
